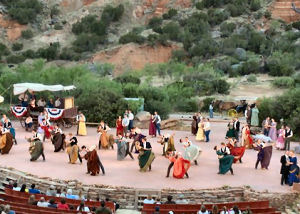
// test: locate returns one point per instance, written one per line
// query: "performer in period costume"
(225, 159)
(73, 149)
(119, 126)
(36, 148)
(46, 127)
(285, 168)
(93, 162)
(200, 132)
(191, 151)
(123, 148)
(254, 116)
(235, 150)
(247, 140)
(230, 132)
(8, 125)
(294, 169)
(6, 141)
(194, 125)
(266, 124)
(180, 166)
(81, 125)
(288, 136)
(281, 138)
(236, 127)
(167, 141)
(260, 152)
(146, 157)
(268, 149)
(273, 130)
(137, 136)
(152, 128)
(58, 139)
(104, 140)
(248, 114)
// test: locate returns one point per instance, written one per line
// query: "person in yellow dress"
(200, 132)
(81, 125)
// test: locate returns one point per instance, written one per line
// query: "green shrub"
(212, 3)
(199, 5)
(90, 24)
(54, 11)
(132, 37)
(49, 53)
(280, 64)
(172, 29)
(3, 50)
(268, 14)
(251, 78)
(249, 67)
(227, 28)
(17, 46)
(86, 42)
(255, 5)
(296, 25)
(58, 26)
(29, 54)
(112, 14)
(128, 78)
(235, 9)
(283, 82)
(171, 13)
(155, 22)
(207, 47)
(179, 55)
(69, 54)
(23, 11)
(152, 39)
(186, 105)
(27, 34)
(15, 59)
(206, 102)
(216, 16)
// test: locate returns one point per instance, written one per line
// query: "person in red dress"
(236, 151)
(119, 126)
(179, 164)
(152, 128)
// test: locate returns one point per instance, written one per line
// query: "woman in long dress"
(152, 127)
(81, 125)
(58, 139)
(191, 151)
(281, 138)
(230, 132)
(236, 151)
(294, 169)
(36, 149)
(200, 132)
(180, 167)
(273, 130)
(194, 125)
(6, 142)
(254, 116)
(73, 149)
(103, 141)
(119, 126)
(146, 157)
(247, 140)
(267, 151)
(93, 162)
(225, 160)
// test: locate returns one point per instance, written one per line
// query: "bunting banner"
(19, 111)
(55, 113)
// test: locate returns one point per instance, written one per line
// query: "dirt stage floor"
(126, 172)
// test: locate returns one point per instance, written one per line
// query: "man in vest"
(288, 137)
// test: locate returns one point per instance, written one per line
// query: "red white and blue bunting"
(19, 111)
(55, 113)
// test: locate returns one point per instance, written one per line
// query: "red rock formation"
(282, 9)
(13, 28)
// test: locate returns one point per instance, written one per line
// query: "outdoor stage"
(126, 172)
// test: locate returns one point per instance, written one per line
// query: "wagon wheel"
(67, 123)
(22, 122)
(232, 113)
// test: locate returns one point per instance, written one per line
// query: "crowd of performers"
(129, 139)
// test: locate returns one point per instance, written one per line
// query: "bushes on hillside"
(3, 50)
(17, 46)
(23, 11)
(255, 5)
(15, 59)
(172, 12)
(49, 53)
(27, 34)
(132, 37)
(284, 82)
(227, 28)
(280, 64)
(86, 42)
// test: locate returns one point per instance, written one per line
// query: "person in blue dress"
(294, 169)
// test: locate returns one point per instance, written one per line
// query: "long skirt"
(36, 150)
(194, 127)
(280, 143)
(152, 128)
(225, 163)
(58, 141)
(73, 153)
(103, 141)
(230, 133)
(6, 143)
(200, 134)
(293, 175)
(82, 128)
(237, 152)
(273, 133)
(191, 153)
(267, 157)
(122, 147)
(145, 160)
(181, 166)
